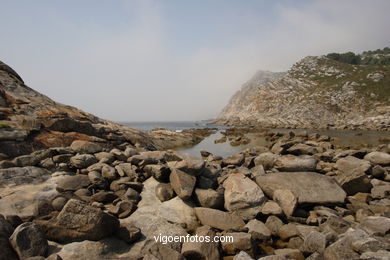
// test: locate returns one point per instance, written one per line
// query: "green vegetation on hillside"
(378, 57)
(357, 77)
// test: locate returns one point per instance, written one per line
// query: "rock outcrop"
(317, 92)
(31, 121)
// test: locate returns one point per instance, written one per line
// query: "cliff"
(317, 92)
(31, 121)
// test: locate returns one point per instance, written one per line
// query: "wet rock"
(182, 183)
(219, 219)
(78, 221)
(28, 240)
(72, 183)
(258, 230)
(291, 163)
(209, 198)
(81, 147)
(201, 249)
(309, 187)
(164, 192)
(243, 196)
(380, 158)
(287, 201)
(81, 161)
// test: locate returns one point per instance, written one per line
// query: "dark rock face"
(28, 240)
(77, 221)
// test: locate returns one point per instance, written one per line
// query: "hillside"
(318, 92)
(31, 121)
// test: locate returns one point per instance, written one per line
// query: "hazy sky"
(173, 60)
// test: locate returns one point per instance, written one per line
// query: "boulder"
(182, 183)
(375, 225)
(80, 146)
(78, 221)
(236, 160)
(242, 256)
(267, 160)
(352, 175)
(271, 208)
(219, 219)
(302, 149)
(239, 241)
(243, 196)
(287, 201)
(207, 250)
(258, 230)
(309, 187)
(291, 163)
(179, 212)
(28, 240)
(314, 242)
(209, 198)
(191, 166)
(81, 161)
(72, 183)
(290, 253)
(107, 248)
(380, 158)
(158, 171)
(273, 223)
(128, 233)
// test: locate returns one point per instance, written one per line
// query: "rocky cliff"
(317, 92)
(31, 121)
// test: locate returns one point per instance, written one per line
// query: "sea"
(353, 139)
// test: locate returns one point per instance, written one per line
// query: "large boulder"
(78, 221)
(180, 212)
(309, 187)
(28, 240)
(210, 198)
(291, 163)
(219, 219)
(352, 175)
(81, 161)
(243, 196)
(72, 182)
(378, 158)
(182, 183)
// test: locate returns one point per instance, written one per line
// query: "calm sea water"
(354, 139)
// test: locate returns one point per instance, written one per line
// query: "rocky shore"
(298, 198)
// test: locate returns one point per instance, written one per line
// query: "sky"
(173, 60)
